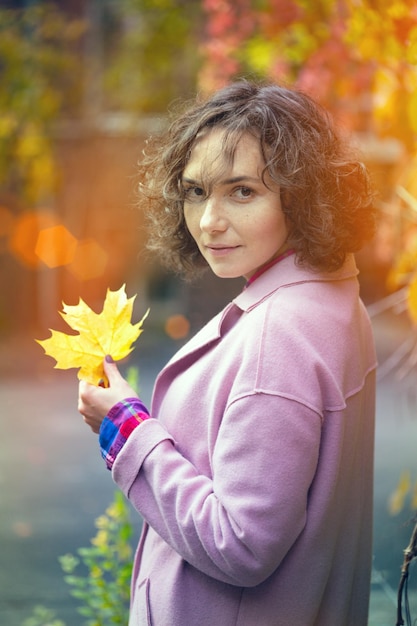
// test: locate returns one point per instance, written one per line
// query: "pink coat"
(255, 480)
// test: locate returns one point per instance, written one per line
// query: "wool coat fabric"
(255, 479)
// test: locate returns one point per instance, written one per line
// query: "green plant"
(42, 616)
(104, 591)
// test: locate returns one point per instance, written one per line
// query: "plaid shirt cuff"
(116, 427)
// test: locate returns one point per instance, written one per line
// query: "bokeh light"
(56, 246)
(22, 529)
(90, 260)
(177, 326)
(24, 235)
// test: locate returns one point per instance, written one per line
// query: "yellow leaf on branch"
(397, 498)
(109, 332)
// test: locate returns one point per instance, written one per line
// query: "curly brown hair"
(325, 191)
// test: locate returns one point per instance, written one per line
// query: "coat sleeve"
(237, 525)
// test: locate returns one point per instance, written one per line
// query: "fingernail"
(109, 358)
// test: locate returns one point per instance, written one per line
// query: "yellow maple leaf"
(109, 332)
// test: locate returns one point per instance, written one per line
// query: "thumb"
(111, 370)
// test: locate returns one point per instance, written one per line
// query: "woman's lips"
(219, 250)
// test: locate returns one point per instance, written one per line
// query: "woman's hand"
(94, 403)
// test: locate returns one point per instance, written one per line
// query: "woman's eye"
(194, 193)
(243, 192)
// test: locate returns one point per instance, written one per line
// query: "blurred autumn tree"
(155, 56)
(358, 57)
(127, 56)
(38, 74)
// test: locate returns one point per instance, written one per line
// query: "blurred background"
(82, 85)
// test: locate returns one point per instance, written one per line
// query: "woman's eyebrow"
(226, 181)
(239, 179)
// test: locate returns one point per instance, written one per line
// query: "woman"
(253, 469)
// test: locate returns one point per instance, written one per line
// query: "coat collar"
(287, 273)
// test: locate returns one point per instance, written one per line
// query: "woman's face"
(238, 223)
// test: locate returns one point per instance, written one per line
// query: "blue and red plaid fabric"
(116, 427)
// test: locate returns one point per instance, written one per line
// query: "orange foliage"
(339, 51)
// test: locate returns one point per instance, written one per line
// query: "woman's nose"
(213, 217)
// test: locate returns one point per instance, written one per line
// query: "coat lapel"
(202, 341)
